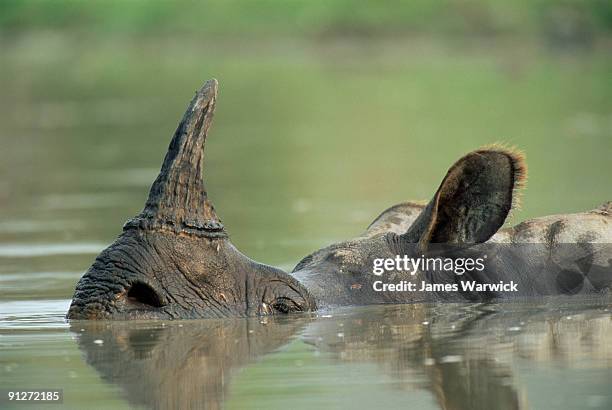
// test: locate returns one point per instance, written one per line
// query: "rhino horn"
(178, 200)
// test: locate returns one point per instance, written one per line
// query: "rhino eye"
(285, 305)
(143, 294)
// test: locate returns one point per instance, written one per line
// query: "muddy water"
(554, 354)
(84, 126)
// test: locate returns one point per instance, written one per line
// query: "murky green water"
(312, 139)
(546, 355)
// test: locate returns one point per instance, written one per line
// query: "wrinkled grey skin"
(341, 274)
(175, 260)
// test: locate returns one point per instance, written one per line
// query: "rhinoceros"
(175, 259)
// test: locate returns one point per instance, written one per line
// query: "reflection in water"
(465, 356)
(179, 365)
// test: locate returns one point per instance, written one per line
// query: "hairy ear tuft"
(519, 167)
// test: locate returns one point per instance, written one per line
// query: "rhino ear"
(473, 200)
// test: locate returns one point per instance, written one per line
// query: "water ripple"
(40, 314)
(46, 249)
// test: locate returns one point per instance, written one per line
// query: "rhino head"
(469, 207)
(175, 259)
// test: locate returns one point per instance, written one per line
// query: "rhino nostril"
(141, 293)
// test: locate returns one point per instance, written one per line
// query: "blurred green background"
(329, 111)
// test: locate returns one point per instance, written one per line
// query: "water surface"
(461, 356)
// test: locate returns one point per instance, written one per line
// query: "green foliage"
(313, 17)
